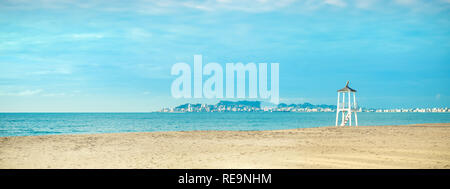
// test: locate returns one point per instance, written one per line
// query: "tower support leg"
(337, 110)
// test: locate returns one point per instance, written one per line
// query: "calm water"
(22, 124)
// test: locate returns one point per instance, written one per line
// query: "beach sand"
(409, 146)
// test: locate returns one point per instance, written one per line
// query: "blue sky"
(113, 56)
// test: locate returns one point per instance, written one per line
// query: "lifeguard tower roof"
(346, 88)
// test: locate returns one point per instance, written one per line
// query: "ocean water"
(25, 124)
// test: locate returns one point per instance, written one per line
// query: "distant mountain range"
(306, 105)
(248, 105)
(223, 103)
(258, 106)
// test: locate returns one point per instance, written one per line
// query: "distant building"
(255, 106)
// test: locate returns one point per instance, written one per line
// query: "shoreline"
(412, 125)
(392, 146)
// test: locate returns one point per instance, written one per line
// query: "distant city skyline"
(256, 106)
(116, 56)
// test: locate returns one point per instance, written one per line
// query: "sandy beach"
(408, 146)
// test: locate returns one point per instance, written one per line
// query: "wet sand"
(408, 146)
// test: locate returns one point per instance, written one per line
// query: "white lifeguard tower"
(346, 107)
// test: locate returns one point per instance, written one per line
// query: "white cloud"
(337, 3)
(54, 94)
(438, 96)
(199, 6)
(405, 2)
(154, 6)
(22, 93)
(87, 36)
(59, 70)
(365, 4)
(237, 5)
(34, 66)
(174, 6)
(29, 92)
(38, 92)
(138, 33)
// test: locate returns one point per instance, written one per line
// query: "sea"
(27, 124)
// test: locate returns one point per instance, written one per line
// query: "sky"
(116, 56)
